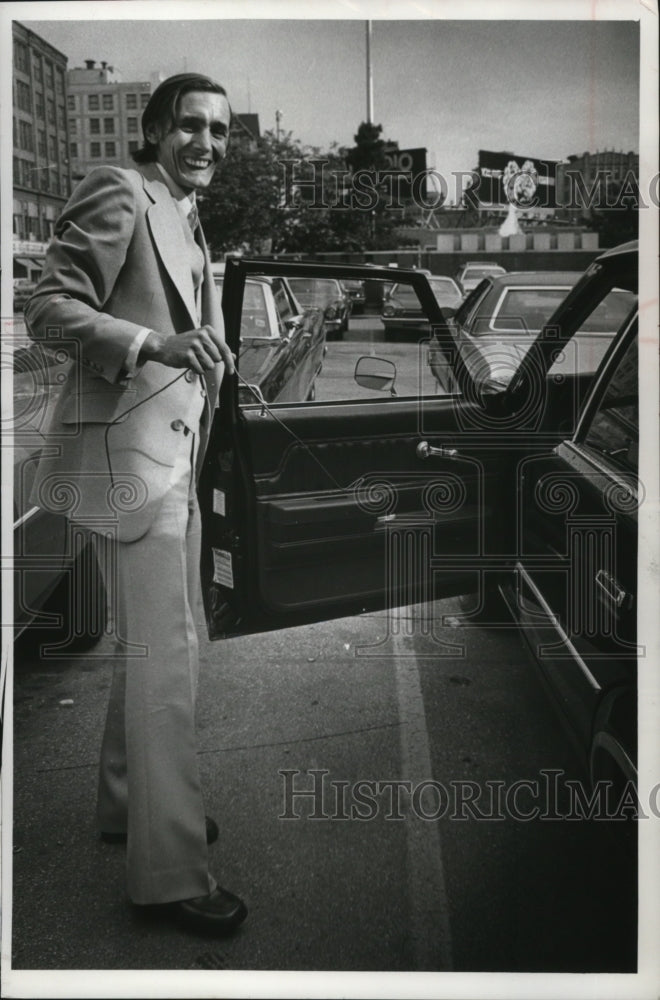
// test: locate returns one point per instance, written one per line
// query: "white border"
(646, 984)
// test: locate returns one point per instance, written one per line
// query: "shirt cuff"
(130, 364)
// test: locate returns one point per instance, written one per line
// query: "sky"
(543, 89)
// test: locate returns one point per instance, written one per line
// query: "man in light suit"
(127, 289)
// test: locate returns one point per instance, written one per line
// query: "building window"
(73, 126)
(132, 124)
(61, 119)
(71, 102)
(52, 147)
(108, 102)
(133, 145)
(73, 149)
(50, 83)
(111, 149)
(39, 106)
(37, 71)
(41, 144)
(95, 126)
(144, 100)
(23, 96)
(108, 126)
(93, 102)
(131, 102)
(95, 149)
(59, 81)
(25, 137)
(50, 111)
(20, 57)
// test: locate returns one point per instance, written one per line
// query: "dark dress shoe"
(212, 834)
(221, 912)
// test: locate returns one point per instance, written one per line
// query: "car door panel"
(577, 567)
(339, 492)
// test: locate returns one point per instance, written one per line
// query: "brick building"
(41, 169)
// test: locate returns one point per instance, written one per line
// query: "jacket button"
(177, 425)
(189, 376)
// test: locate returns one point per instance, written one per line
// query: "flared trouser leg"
(149, 782)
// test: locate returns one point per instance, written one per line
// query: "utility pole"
(370, 81)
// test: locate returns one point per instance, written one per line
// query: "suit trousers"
(149, 784)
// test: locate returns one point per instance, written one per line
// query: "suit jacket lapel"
(169, 240)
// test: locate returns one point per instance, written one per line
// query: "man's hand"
(199, 349)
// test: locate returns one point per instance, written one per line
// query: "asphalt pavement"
(372, 719)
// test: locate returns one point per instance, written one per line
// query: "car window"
(524, 310)
(316, 360)
(255, 321)
(314, 291)
(283, 304)
(614, 429)
(610, 314)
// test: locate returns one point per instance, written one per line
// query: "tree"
(369, 150)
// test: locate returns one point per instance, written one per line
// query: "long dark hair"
(162, 105)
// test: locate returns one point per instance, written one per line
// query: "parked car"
(498, 322)
(356, 293)
(327, 294)
(23, 289)
(59, 595)
(281, 343)
(402, 309)
(529, 491)
(472, 272)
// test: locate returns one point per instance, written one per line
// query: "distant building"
(245, 128)
(41, 171)
(592, 180)
(104, 116)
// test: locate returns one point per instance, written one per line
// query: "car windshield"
(314, 291)
(445, 290)
(406, 295)
(254, 317)
(481, 271)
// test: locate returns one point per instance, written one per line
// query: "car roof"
(481, 263)
(523, 279)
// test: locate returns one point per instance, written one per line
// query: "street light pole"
(278, 118)
(370, 81)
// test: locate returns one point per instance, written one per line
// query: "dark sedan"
(282, 343)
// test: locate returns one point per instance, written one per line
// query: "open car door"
(373, 492)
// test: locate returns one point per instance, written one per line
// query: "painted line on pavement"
(430, 930)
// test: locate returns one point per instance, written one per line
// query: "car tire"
(79, 600)
(311, 395)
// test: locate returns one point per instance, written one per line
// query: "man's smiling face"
(197, 142)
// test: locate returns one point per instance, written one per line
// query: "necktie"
(193, 218)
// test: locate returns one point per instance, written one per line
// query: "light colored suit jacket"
(118, 262)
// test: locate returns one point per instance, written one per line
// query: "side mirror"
(375, 373)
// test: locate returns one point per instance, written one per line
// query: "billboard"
(410, 163)
(527, 181)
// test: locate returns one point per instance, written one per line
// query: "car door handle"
(425, 450)
(612, 589)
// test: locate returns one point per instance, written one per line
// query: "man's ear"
(152, 134)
